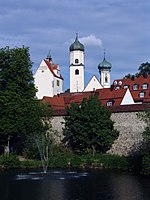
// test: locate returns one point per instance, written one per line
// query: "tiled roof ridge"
(50, 66)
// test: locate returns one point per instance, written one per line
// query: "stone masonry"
(130, 128)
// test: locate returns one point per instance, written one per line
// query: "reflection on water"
(73, 185)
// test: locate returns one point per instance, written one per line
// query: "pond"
(73, 185)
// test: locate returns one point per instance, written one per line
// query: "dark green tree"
(144, 69)
(88, 127)
(20, 111)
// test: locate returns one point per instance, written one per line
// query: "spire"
(76, 37)
(49, 57)
(104, 64)
(104, 53)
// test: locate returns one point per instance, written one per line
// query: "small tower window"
(58, 83)
(106, 79)
(76, 61)
(76, 72)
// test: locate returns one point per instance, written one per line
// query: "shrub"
(9, 161)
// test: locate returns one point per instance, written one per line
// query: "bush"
(9, 161)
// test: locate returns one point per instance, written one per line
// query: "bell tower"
(104, 70)
(76, 66)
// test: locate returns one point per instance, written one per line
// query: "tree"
(20, 112)
(88, 127)
(144, 69)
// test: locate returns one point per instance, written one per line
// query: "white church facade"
(48, 79)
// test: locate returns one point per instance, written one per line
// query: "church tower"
(104, 70)
(76, 66)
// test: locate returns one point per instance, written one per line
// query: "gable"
(127, 99)
(93, 85)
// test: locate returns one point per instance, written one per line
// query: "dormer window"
(145, 86)
(110, 102)
(142, 94)
(135, 87)
(76, 61)
(117, 87)
(76, 72)
(126, 86)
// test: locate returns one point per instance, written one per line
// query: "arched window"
(76, 72)
(106, 79)
(76, 60)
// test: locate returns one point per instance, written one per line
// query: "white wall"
(93, 85)
(103, 74)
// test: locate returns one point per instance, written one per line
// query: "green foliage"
(21, 113)
(9, 161)
(26, 164)
(144, 69)
(16, 91)
(88, 127)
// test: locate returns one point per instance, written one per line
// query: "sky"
(120, 27)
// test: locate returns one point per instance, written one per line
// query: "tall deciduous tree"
(20, 111)
(88, 127)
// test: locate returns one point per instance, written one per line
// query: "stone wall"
(58, 125)
(130, 128)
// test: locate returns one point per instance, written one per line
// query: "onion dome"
(105, 64)
(76, 45)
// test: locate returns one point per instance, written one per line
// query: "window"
(57, 82)
(52, 83)
(142, 94)
(110, 102)
(76, 61)
(115, 82)
(120, 83)
(76, 72)
(117, 87)
(135, 87)
(126, 86)
(106, 79)
(144, 86)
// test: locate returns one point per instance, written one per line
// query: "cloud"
(91, 40)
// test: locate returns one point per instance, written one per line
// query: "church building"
(77, 71)
(48, 79)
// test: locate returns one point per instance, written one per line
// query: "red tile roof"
(61, 101)
(53, 67)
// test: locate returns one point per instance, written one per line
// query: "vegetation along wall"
(129, 125)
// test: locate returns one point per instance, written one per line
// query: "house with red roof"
(139, 87)
(48, 79)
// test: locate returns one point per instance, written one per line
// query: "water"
(73, 185)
